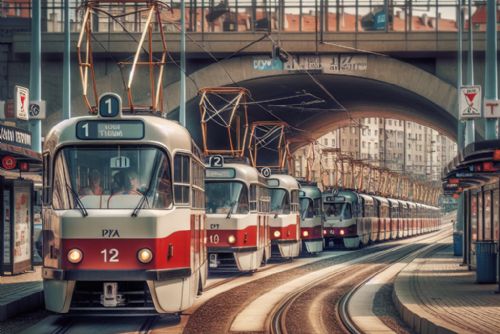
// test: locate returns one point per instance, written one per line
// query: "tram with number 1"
(124, 217)
(237, 207)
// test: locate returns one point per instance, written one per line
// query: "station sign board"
(470, 102)
(21, 102)
(2, 109)
(14, 136)
(491, 108)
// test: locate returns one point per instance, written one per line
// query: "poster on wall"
(22, 226)
(6, 227)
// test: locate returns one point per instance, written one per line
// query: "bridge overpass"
(406, 75)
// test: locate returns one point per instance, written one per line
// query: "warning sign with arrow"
(470, 102)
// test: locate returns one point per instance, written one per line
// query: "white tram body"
(285, 219)
(311, 218)
(109, 245)
(237, 208)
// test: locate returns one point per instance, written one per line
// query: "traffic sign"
(469, 102)
(37, 110)
(8, 162)
(492, 109)
(21, 102)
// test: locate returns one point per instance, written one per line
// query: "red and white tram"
(237, 207)
(285, 219)
(124, 217)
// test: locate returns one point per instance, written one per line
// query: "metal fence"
(211, 16)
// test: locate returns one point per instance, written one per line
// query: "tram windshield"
(112, 177)
(226, 197)
(338, 210)
(280, 201)
(306, 208)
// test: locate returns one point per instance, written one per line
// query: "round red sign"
(8, 162)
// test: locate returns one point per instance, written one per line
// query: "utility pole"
(182, 97)
(66, 65)
(404, 147)
(35, 73)
(469, 124)
(491, 77)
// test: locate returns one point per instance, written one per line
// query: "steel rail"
(277, 322)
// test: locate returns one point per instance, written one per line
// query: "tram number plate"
(213, 261)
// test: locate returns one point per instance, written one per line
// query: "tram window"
(198, 185)
(280, 201)
(181, 179)
(295, 201)
(46, 179)
(317, 206)
(333, 209)
(132, 171)
(306, 208)
(347, 213)
(225, 196)
(264, 199)
(253, 197)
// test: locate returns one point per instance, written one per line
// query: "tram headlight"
(342, 232)
(75, 256)
(231, 239)
(305, 234)
(325, 232)
(145, 255)
(277, 234)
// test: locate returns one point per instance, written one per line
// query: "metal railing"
(283, 16)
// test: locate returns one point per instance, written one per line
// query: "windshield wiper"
(231, 210)
(79, 203)
(139, 206)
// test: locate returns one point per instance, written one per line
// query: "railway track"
(293, 309)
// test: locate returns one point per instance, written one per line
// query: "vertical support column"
(461, 125)
(469, 124)
(66, 65)
(35, 73)
(490, 89)
(182, 97)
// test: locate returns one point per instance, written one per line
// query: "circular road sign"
(8, 162)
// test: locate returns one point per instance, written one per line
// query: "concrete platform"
(436, 295)
(20, 293)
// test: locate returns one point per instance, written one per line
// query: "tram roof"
(366, 198)
(382, 200)
(156, 129)
(310, 191)
(284, 181)
(242, 172)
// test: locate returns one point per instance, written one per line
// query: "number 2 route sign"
(470, 102)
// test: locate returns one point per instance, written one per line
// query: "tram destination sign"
(106, 130)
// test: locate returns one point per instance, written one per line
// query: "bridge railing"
(321, 16)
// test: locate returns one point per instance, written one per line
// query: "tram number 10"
(110, 255)
(214, 239)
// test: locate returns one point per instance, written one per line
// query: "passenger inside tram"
(333, 209)
(94, 187)
(225, 197)
(126, 182)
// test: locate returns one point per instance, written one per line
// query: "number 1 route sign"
(470, 102)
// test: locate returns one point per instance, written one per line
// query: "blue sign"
(267, 64)
(110, 105)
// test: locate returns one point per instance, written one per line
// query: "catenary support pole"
(182, 97)
(35, 73)
(461, 124)
(66, 65)
(469, 124)
(491, 77)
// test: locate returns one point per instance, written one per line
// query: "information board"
(105, 130)
(6, 227)
(22, 224)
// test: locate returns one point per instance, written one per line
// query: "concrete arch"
(441, 95)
